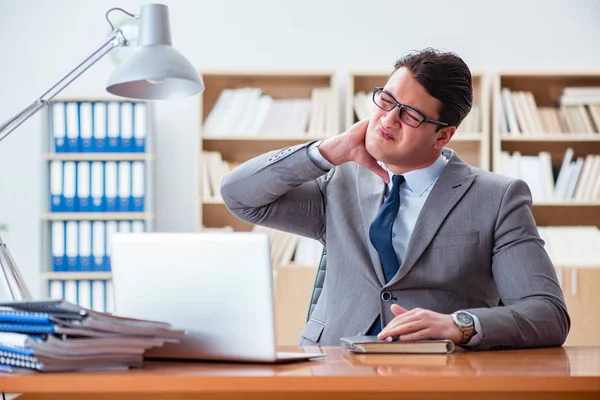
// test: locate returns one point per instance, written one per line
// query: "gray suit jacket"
(475, 245)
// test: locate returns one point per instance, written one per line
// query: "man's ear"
(443, 136)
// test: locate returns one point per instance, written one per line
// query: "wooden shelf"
(239, 148)
(98, 216)
(567, 214)
(98, 157)
(554, 137)
(567, 203)
(77, 276)
(301, 138)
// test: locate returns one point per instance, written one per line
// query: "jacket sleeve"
(534, 313)
(280, 190)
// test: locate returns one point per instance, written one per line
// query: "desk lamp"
(155, 70)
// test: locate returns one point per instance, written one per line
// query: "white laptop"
(218, 286)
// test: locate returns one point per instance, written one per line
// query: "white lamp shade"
(155, 72)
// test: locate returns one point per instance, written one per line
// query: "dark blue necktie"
(380, 234)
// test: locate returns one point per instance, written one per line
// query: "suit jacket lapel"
(370, 195)
(450, 187)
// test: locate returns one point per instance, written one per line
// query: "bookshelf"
(471, 140)
(89, 134)
(533, 129)
(244, 114)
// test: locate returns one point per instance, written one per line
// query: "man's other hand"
(419, 324)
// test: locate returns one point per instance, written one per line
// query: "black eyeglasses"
(406, 114)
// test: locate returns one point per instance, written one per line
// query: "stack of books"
(57, 335)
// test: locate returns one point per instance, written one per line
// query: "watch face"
(464, 319)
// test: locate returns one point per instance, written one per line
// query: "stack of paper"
(60, 336)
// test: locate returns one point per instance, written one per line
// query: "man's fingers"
(397, 310)
(402, 329)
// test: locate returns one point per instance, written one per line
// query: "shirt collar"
(419, 180)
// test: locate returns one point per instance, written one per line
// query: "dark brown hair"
(444, 76)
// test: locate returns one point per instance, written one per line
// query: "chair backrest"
(319, 280)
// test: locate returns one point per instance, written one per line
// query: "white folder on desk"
(69, 186)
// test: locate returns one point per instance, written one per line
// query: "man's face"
(393, 142)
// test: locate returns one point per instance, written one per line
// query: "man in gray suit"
(420, 245)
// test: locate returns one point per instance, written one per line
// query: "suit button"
(386, 296)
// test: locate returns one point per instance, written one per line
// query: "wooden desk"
(572, 372)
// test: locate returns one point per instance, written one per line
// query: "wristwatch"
(466, 324)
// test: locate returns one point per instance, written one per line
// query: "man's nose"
(391, 118)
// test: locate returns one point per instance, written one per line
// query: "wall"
(41, 40)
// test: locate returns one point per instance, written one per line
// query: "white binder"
(140, 127)
(83, 187)
(124, 227)
(86, 127)
(56, 186)
(56, 289)
(71, 291)
(97, 186)
(72, 248)
(69, 185)
(59, 263)
(100, 127)
(138, 186)
(124, 186)
(110, 297)
(126, 126)
(110, 185)
(59, 127)
(85, 246)
(84, 293)
(111, 229)
(114, 128)
(98, 296)
(138, 227)
(99, 246)
(72, 126)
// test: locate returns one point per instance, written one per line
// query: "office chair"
(319, 280)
